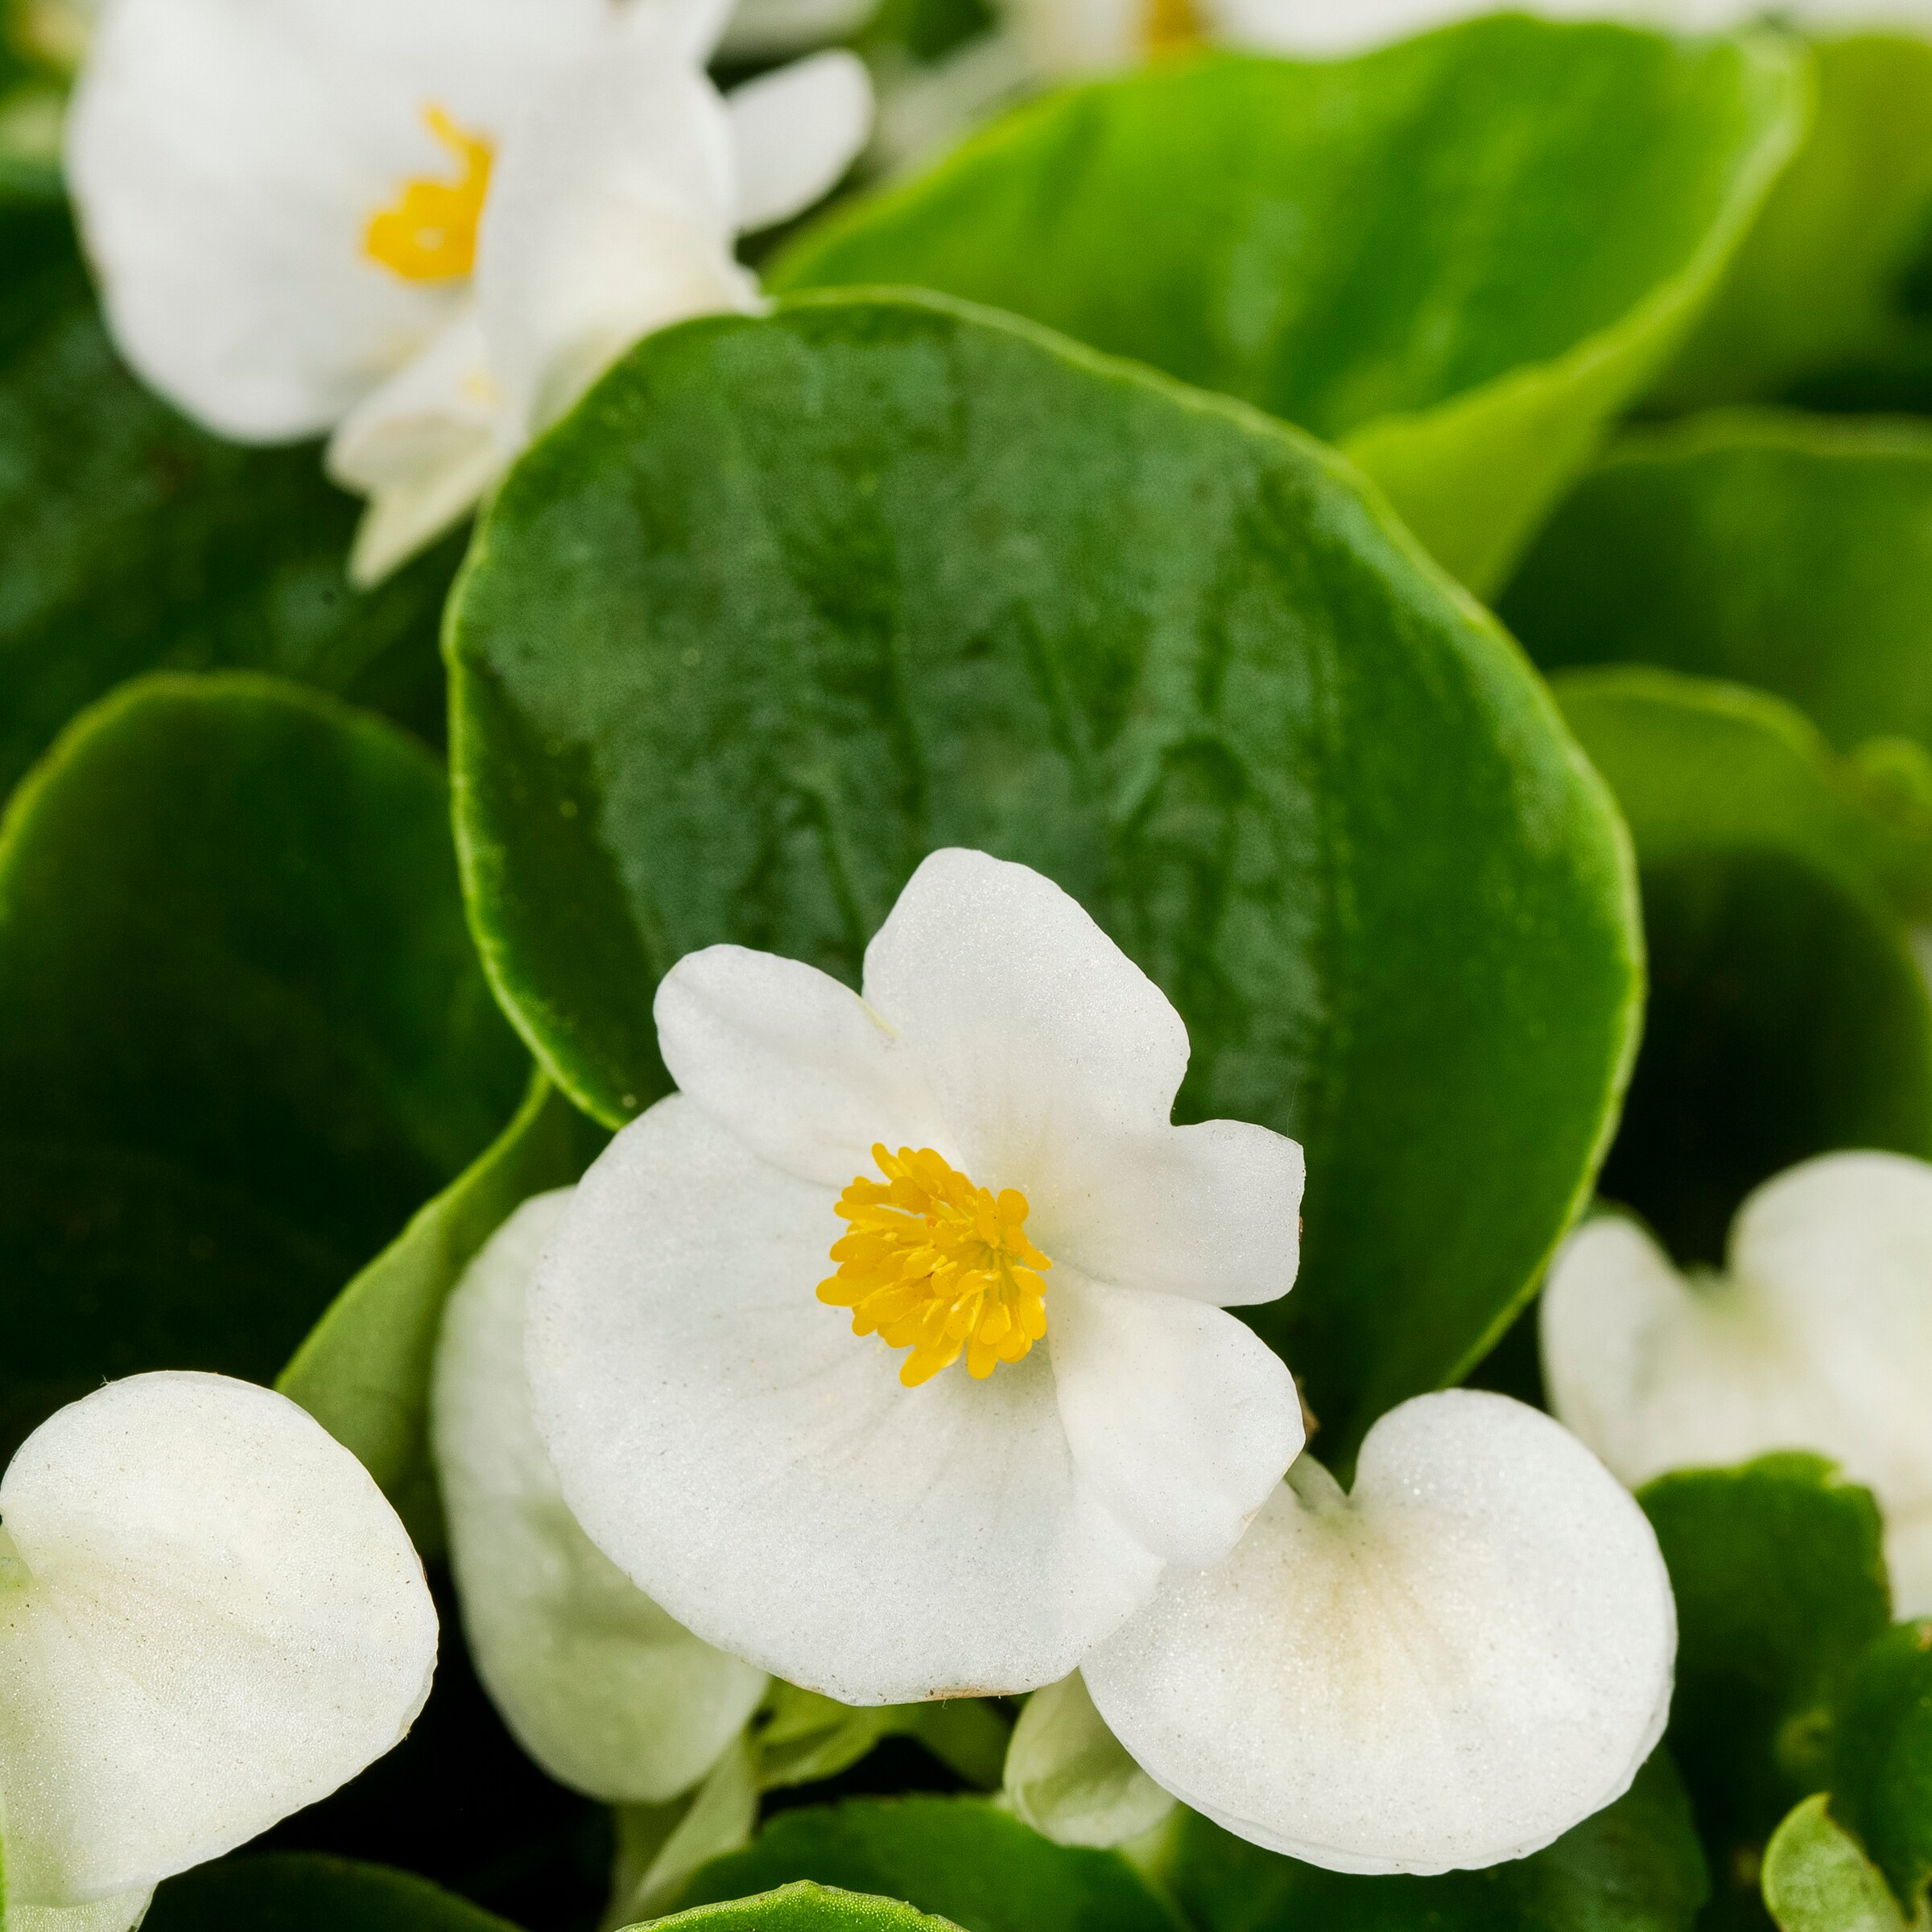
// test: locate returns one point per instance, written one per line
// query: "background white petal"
(1035, 1032)
(603, 1689)
(1070, 1778)
(1818, 1336)
(1448, 1668)
(1181, 1417)
(424, 448)
(220, 1619)
(794, 132)
(793, 1064)
(761, 1472)
(227, 155)
(611, 214)
(1212, 1211)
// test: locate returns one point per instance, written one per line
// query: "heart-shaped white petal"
(213, 1618)
(1449, 1667)
(604, 1689)
(1819, 1336)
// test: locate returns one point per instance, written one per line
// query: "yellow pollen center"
(937, 1265)
(429, 234)
(1169, 27)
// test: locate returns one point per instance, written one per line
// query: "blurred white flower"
(209, 1617)
(425, 224)
(982, 1148)
(1449, 1666)
(1818, 1335)
(598, 1684)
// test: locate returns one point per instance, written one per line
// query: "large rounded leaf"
(301, 1891)
(1787, 1014)
(246, 1036)
(805, 1908)
(1459, 257)
(1882, 1752)
(1790, 552)
(956, 1856)
(788, 604)
(136, 542)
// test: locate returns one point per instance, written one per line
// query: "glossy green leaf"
(136, 542)
(806, 1908)
(1787, 1014)
(959, 1857)
(1881, 1776)
(1818, 1878)
(1829, 298)
(303, 1892)
(246, 1034)
(364, 1371)
(1458, 257)
(788, 604)
(1790, 552)
(1779, 1581)
(1633, 1868)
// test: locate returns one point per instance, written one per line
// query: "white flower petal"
(1070, 1778)
(1034, 1031)
(219, 1619)
(791, 1062)
(424, 448)
(1212, 1212)
(761, 1472)
(1448, 1668)
(794, 132)
(226, 157)
(120, 1913)
(1181, 1417)
(610, 215)
(601, 1686)
(1818, 1336)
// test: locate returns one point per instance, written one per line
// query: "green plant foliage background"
(787, 604)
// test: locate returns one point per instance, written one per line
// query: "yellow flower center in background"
(1170, 27)
(938, 1266)
(430, 233)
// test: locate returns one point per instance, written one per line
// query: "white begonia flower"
(1449, 1666)
(973, 1517)
(1818, 1335)
(597, 1684)
(209, 1617)
(425, 224)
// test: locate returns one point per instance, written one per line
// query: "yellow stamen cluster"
(938, 1266)
(1169, 27)
(430, 234)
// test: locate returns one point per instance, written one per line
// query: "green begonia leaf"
(1787, 1014)
(788, 604)
(1830, 297)
(806, 1908)
(305, 1892)
(1458, 257)
(1818, 1878)
(1881, 1781)
(136, 541)
(1635, 1866)
(1790, 552)
(246, 1034)
(959, 1857)
(1779, 1581)
(364, 1371)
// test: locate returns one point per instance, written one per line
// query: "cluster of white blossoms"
(1818, 1335)
(425, 226)
(209, 1617)
(892, 1355)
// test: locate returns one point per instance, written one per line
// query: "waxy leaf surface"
(1458, 257)
(305, 1892)
(1881, 1781)
(787, 604)
(246, 1034)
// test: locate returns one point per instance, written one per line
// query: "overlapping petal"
(215, 1619)
(604, 1689)
(1819, 1336)
(722, 1436)
(793, 133)
(1448, 1667)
